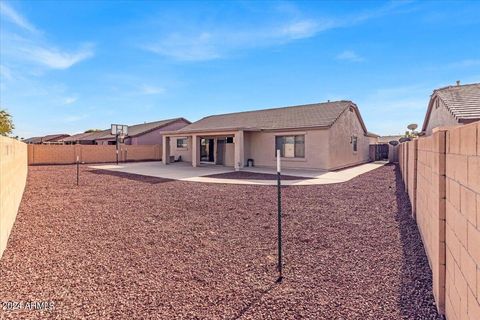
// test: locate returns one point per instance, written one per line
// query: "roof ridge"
(275, 108)
(165, 120)
(457, 86)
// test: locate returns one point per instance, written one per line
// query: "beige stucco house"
(147, 133)
(324, 136)
(452, 105)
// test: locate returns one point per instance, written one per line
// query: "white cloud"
(10, 14)
(146, 89)
(69, 100)
(55, 58)
(195, 41)
(300, 29)
(210, 45)
(349, 55)
(33, 46)
(187, 48)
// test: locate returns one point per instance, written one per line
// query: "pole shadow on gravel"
(416, 296)
(254, 301)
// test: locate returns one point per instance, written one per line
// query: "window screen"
(181, 142)
(290, 146)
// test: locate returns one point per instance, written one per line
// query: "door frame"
(211, 146)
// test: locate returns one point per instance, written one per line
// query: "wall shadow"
(416, 295)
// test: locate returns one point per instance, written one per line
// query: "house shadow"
(131, 176)
(416, 295)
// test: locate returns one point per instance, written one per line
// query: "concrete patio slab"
(185, 172)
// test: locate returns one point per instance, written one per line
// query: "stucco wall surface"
(13, 175)
(260, 146)
(340, 142)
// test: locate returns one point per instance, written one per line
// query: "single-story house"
(387, 139)
(327, 136)
(145, 133)
(48, 139)
(452, 105)
(372, 137)
(88, 138)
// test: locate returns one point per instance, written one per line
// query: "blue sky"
(70, 66)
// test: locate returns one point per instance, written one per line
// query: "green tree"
(6, 123)
(92, 130)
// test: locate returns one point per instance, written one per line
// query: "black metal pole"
(279, 222)
(116, 146)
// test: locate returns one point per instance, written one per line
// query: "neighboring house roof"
(143, 128)
(292, 117)
(47, 138)
(387, 139)
(373, 135)
(86, 136)
(462, 101)
(33, 140)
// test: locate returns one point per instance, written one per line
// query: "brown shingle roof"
(463, 101)
(303, 116)
(139, 129)
(86, 136)
(47, 138)
(33, 140)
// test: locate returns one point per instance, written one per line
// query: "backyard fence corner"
(13, 177)
(441, 174)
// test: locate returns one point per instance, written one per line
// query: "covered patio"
(225, 148)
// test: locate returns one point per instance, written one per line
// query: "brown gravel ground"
(253, 176)
(146, 248)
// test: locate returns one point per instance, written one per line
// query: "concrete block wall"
(430, 206)
(67, 154)
(13, 176)
(447, 201)
(142, 152)
(463, 222)
(412, 173)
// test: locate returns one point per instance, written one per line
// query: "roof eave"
(429, 111)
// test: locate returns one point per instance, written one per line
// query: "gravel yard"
(133, 247)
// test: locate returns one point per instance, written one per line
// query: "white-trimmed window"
(181, 143)
(290, 146)
(354, 143)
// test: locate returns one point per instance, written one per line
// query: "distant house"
(145, 133)
(86, 137)
(326, 136)
(372, 137)
(48, 139)
(452, 105)
(387, 139)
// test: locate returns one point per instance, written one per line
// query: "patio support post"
(195, 150)
(239, 150)
(166, 150)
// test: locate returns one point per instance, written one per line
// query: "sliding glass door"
(207, 147)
